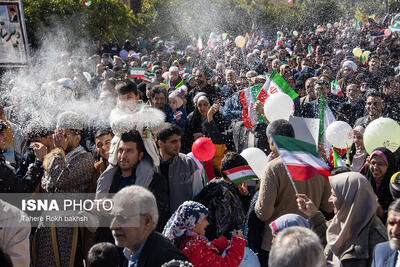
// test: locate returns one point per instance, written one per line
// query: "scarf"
(185, 218)
(356, 207)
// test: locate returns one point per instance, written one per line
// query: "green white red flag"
(300, 158)
(141, 74)
(336, 89)
(240, 174)
(275, 83)
(200, 43)
(326, 117)
(248, 98)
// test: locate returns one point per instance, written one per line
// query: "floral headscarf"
(184, 219)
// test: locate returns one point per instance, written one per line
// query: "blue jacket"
(384, 256)
(170, 117)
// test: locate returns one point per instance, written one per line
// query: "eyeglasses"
(123, 218)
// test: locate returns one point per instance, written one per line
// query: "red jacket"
(203, 253)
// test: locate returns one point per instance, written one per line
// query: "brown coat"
(277, 196)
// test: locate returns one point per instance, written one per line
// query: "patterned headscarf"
(288, 220)
(184, 219)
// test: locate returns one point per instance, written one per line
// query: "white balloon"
(329, 25)
(278, 106)
(339, 133)
(382, 132)
(256, 159)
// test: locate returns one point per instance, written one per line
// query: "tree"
(102, 20)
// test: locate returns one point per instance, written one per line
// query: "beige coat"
(14, 234)
(277, 196)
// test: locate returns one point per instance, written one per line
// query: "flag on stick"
(337, 160)
(300, 158)
(248, 98)
(275, 83)
(335, 89)
(240, 174)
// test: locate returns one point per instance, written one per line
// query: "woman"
(378, 170)
(355, 229)
(186, 229)
(205, 120)
(358, 155)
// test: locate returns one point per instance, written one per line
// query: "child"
(186, 228)
(176, 114)
(103, 255)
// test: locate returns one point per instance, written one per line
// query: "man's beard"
(394, 245)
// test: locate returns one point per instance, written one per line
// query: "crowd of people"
(169, 209)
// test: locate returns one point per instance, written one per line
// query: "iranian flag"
(141, 74)
(300, 158)
(248, 98)
(326, 117)
(137, 73)
(240, 174)
(335, 89)
(200, 43)
(275, 83)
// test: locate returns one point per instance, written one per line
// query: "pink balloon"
(388, 32)
(203, 149)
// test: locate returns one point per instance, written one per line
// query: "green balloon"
(382, 132)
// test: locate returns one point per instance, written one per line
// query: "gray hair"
(394, 206)
(173, 68)
(140, 198)
(296, 246)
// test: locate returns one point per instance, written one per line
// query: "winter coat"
(156, 251)
(241, 137)
(232, 109)
(185, 180)
(23, 181)
(170, 117)
(201, 252)
(226, 208)
(14, 234)
(216, 129)
(157, 184)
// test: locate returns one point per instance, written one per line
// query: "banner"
(13, 37)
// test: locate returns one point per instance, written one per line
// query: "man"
(183, 175)
(135, 217)
(174, 78)
(310, 93)
(386, 254)
(230, 87)
(134, 166)
(15, 144)
(391, 92)
(227, 201)
(158, 97)
(14, 235)
(374, 105)
(68, 169)
(374, 72)
(277, 196)
(202, 77)
(311, 108)
(25, 181)
(297, 246)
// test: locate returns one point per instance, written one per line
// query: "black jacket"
(21, 183)
(158, 250)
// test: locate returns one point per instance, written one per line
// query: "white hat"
(351, 64)
(66, 82)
